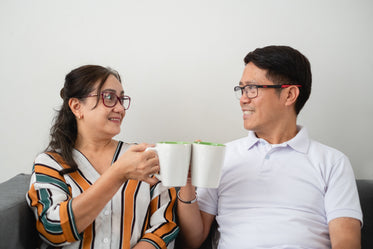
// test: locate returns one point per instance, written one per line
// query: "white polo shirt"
(281, 196)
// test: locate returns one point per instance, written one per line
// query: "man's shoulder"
(324, 148)
(321, 152)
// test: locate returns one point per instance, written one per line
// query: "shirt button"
(107, 212)
(106, 240)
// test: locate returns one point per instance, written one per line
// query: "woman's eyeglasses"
(110, 99)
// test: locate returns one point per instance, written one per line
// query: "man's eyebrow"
(248, 83)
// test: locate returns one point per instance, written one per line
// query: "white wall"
(180, 61)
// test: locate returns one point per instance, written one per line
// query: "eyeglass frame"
(242, 88)
(116, 101)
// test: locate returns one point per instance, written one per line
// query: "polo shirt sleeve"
(341, 195)
(208, 200)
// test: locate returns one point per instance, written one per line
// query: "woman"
(90, 191)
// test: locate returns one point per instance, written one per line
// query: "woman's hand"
(138, 164)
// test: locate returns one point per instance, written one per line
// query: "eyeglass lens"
(111, 99)
(251, 91)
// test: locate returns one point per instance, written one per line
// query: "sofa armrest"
(17, 226)
(365, 188)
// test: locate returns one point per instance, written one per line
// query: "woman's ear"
(292, 95)
(76, 107)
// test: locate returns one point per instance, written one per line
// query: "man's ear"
(76, 107)
(292, 95)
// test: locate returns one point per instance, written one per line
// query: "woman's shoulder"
(50, 159)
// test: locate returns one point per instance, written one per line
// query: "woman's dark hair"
(79, 83)
(284, 65)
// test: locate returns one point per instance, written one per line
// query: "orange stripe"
(48, 171)
(156, 239)
(39, 225)
(88, 237)
(34, 199)
(75, 175)
(129, 196)
(154, 205)
(51, 237)
(65, 222)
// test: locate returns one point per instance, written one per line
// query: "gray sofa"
(17, 225)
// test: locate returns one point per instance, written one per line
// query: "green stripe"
(72, 221)
(170, 237)
(48, 179)
(45, 201)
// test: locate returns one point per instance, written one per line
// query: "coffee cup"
(174, 160)
(207, 161)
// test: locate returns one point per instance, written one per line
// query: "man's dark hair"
(284, 65)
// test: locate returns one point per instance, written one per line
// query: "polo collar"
(300, 142)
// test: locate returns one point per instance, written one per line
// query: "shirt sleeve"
(50, 199)
(162, 229)
(341, 196)
(208, 200)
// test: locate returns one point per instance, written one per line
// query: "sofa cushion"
(17, 224)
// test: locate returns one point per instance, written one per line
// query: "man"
(279, 188)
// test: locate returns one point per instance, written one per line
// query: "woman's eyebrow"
(113, 90)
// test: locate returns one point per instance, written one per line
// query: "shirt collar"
(300, 142)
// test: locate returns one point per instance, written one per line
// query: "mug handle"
(158, 176)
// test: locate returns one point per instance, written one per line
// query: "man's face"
(263, 113)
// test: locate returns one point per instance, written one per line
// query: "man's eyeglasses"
(251, 91)
(110, 99)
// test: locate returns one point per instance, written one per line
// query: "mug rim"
(173, 142)
(209, 143)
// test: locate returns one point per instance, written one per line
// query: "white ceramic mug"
(207, 162)
(174, 160)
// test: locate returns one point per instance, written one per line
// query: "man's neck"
(279, 134)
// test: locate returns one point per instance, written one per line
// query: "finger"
(151, 180)
(148, 155)
(139, 147)
(198, 140)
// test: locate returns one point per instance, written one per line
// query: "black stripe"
(76, 183)
(54, 159)
(122, 215)
(117, 152)
(165, 211)
(80, 173)
(93, 234)
(146, 220)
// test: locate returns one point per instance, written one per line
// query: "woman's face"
(102, 121)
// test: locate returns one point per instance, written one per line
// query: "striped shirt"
(137, 212)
